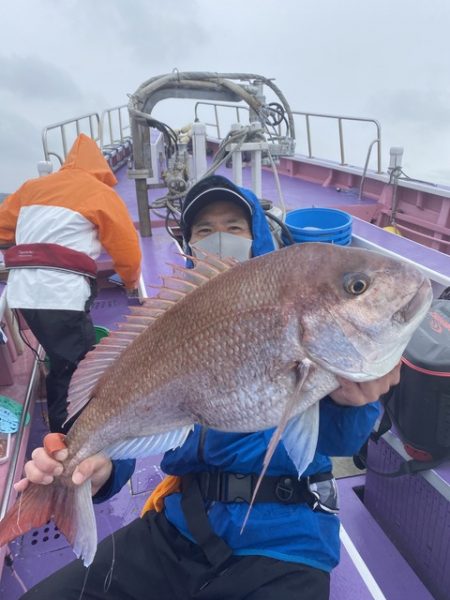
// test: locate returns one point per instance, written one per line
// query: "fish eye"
(356, 283)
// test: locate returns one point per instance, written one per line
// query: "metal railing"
(114, 125)
(308, 116)
(215, 105)
(12, 468)
(7, 317)
(340, 119)
(89, 124)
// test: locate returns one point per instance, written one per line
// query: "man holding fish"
(190, 542)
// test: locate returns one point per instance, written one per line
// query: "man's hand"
(42, 469)
(351, 393)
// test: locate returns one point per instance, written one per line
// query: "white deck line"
(142, 289)
(361, 566)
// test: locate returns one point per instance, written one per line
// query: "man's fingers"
(36, 475)
(85, 469)
(45, 463)
(351, 393)
(61, 455)
(21, 485)
(42, 469)
(97, 468)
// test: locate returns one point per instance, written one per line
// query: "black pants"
(153, 561)
(66, 336)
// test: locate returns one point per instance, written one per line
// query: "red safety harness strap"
(50, 256)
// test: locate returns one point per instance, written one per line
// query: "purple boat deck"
(369, 559)
(371, 565)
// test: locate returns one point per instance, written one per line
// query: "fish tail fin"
(69, 506)
(31, 509)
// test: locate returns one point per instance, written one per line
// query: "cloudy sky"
(384, 59)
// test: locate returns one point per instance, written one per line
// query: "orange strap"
(169, 485)
(53, 442)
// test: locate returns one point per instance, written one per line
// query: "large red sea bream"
(237, 349)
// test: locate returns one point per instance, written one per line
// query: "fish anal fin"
(149, 445)
(84, 539)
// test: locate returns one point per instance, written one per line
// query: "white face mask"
(224, 245)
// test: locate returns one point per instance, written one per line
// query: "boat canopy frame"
(222, 87)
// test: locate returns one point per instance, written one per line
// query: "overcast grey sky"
(385, 59)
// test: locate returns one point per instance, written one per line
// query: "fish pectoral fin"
(142, 446)
(300, 437)
(303, 367)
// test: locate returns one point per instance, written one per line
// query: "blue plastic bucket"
(327, 225)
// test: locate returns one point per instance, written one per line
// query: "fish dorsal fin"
(175, 287)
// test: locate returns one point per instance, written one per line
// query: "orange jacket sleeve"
(117, 235)
(9, 212)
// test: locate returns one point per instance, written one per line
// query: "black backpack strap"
(360, 458)
(385, 421)
(410, 467)
(383, 427)
(215, 549)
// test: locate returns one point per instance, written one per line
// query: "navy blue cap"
(211, 189)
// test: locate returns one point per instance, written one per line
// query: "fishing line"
(9, 562)
(109, 575)
(84, 583)
(19, 511)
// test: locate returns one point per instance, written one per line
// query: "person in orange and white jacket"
(59, 224)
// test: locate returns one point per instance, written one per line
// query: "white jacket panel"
(47, 288)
